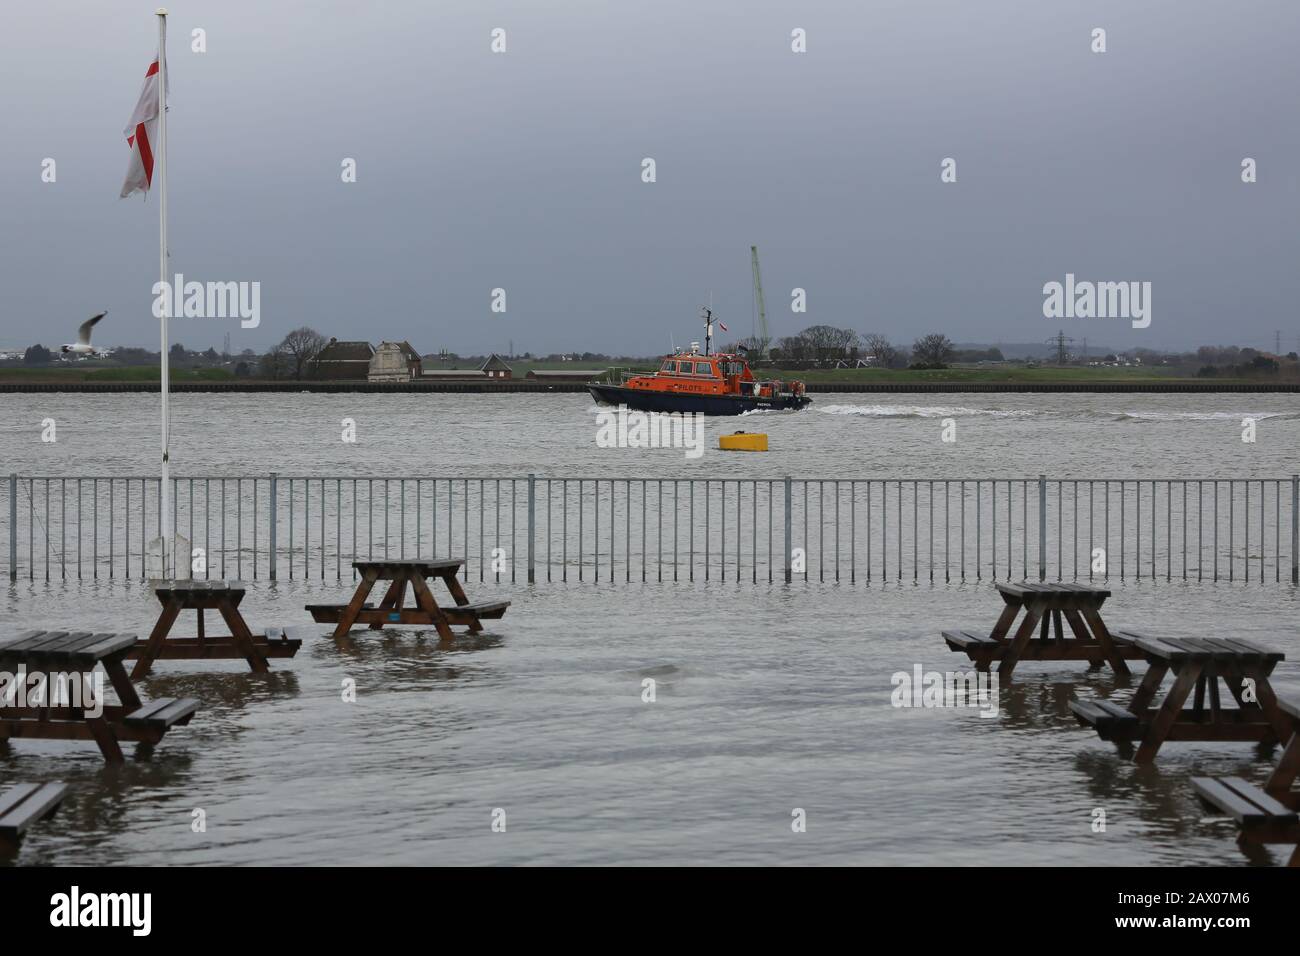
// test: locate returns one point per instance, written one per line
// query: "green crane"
(761, 337)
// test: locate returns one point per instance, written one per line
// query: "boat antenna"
(708, 328)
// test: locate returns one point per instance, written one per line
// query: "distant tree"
(932, 351)
(177, 355)
(886, 354)
(37, 355)
(300, 348)
(828, 344)
(275, 364)
(794, 349)
(242, 370)
(211, 355)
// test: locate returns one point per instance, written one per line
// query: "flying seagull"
(83, 346)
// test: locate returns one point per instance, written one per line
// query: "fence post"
(532, 525)
(1042, 527)
(13, 527)
(789, 573)
(272, 517)
(1295, 529)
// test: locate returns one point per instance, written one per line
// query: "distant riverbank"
(814, 387)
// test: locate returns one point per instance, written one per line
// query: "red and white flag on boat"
(142, 135)
(724, 328)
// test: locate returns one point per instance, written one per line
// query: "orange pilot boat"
(706, 383)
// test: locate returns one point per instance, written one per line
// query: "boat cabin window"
(684, 368)
(669, 367)
(703, 368)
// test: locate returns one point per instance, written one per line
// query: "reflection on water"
(767, 700)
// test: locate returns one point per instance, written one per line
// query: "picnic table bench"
(1044, 603)
(75, 655)
(223, 597)
(1268, 814)
(401, 575)
(1198, 664)
(24, 804)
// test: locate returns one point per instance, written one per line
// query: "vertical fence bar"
(13, 526)
(532, 526)
(1295, 529)
(1042, 527)
(789, 571)
(271, 517)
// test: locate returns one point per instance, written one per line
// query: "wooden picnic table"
(77, 654)
(401, 575)
(1041, 603)
(1198, 664)
(1268, 814)
(223, 597)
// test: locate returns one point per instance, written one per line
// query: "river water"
(769, 699)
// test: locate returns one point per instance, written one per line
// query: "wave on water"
(1199, 416)
(920, 411)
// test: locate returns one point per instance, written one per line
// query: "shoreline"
(814, 388)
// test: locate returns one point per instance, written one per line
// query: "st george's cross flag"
(142, 136)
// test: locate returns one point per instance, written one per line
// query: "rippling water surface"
(769, 697)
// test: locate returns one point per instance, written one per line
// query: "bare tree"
(300, 347)
(887, 355)
(933, 351)
(275, 364)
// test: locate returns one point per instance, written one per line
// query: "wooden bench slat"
(37, 802)
(1246, 803)
(162, 713)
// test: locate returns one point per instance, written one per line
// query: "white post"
(165, 529)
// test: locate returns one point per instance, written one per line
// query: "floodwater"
(768, 699)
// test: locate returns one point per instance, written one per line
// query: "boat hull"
(645, 400)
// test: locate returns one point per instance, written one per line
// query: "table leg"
(1287, 769)
(243, 637)
(1093, 616)
(349, 615)
(121, 683)
(1168, 713)
(1282, 724)
(171, 610)
(1005, 620)
(1083, 636)
(458, 595)
(102, 731)
(389, 601)
(1146, 691)
(425, 600)
(1033, 612)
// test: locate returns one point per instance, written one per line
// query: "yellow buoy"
(743, 441)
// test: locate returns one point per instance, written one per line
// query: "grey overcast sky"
(523, 170)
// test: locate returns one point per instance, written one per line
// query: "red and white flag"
(142, 136)
(724, 328)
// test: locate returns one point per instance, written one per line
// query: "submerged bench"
(1265, 814)
(403, 574)
(223, 597)
(84, 715)
(1198, 665)
(24, 804)
(1045, 606)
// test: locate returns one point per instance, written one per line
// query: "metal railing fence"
(543, 529)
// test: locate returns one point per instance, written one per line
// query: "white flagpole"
(165, 488)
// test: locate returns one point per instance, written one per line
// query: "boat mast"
(708, 329)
